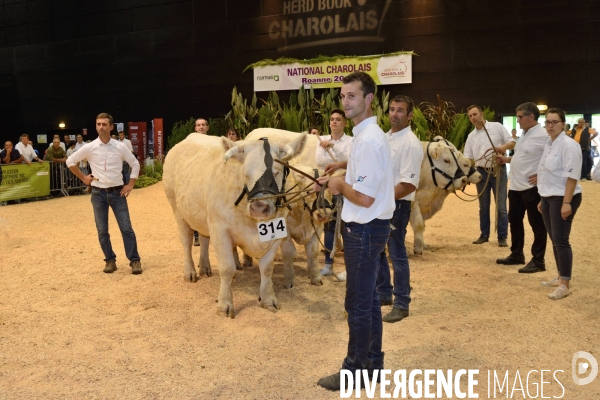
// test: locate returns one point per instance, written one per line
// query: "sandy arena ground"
(69, 331)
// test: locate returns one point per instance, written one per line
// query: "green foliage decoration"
(152, 173)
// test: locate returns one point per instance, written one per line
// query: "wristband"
(566, 202)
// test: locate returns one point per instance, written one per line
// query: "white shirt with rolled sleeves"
(525, 160)
(561, 160)
(407, 155)
(26, 151)
(370, 172)
(341, 150)
(106, 161)
(478, 143)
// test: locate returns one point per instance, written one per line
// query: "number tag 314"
(271, 230)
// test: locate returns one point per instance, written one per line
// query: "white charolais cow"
(203, 178)
(304, 226)
(443, 162)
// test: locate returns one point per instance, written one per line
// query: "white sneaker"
(554, 282)
(341, 276)
(327, 270)
(559, 293)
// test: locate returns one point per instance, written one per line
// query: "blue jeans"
(363, 246)
(101, 200)
(399, 257)
(484, 203)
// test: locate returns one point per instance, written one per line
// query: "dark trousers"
(363, 246)
(399, 257)
(518, 203)
(559, 231)
(586, 163)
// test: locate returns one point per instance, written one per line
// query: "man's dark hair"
(24, 135)
(337, 111)
(106, 115)
(474, 106)
(368, 84)
(529, 108)
(404, 99)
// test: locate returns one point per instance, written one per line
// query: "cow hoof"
(226, 311)
(316, 281)
(207, 272)
(247, 261)
(270, 305)
(190, 277)
(288, 285)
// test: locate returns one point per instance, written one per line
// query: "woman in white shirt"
(557, 180)
(337, 144)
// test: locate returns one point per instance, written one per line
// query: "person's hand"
(565, 211)
(335, 185)
(326, 144)
(321, 180)
(87, 179)
(500, 150)
(126, 190)
(331, 168)
(500, 159)
(532, 180)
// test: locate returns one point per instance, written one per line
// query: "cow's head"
(445, 170)
(463, 162)
(261, 175)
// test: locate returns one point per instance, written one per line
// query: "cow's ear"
(232, 149)
(293, 148)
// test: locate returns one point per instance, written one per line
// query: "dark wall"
(68, 60)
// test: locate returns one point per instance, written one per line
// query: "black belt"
(111, 189)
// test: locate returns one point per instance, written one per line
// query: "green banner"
(20, 181)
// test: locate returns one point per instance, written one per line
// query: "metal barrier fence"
(64, 181)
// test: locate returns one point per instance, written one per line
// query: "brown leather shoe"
(482, 239)
(111, 266)
(136, 267)
(396, 315)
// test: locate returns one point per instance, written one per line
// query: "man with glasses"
(523, 194)
(479, 149)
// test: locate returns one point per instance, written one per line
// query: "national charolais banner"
(22, 181)
(386, 69)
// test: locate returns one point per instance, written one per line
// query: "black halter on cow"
(266, 184)
(457, 174)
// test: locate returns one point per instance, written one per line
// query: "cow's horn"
(230, 153)
(289, 152)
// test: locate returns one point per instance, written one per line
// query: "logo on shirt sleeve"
(361, 178)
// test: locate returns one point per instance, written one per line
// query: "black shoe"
(532, 267)
(482, 239)
(396, 315)
(331, 382)
(511, 260)
(502, 242)
(386, 302)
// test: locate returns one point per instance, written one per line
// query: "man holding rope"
(483, 143)
(523, 194)
(368, 191)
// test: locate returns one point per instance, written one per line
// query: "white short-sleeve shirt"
(340, 149)
(478, 143)
(407, 155)
(561, 160)
(525, 160)
(26, 151)
(370, 172)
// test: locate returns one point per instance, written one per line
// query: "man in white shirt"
(338, 145)
(407, 155)
(127, 143)
(479, 149)
(368, 191)
(79, 143)
(27, 150)
(523, 194)
(105, 156)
